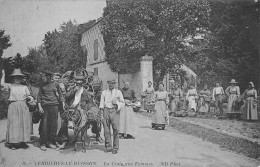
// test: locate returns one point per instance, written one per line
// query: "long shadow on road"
(70, 148)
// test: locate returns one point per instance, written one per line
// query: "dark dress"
(127, 115)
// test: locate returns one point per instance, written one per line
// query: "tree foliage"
(10, 63)
(133, 28)
(228, 47)
(37, 60)
(63, 48)
(4, 42)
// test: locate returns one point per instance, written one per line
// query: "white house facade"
(93, 46)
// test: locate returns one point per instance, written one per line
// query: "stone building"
(93, 46)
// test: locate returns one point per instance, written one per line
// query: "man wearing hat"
(25, 78)
(81, 97)
(111, 102)
(233, 92)
(218, 91)
(49, 100)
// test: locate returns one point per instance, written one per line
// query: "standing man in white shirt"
(111, 102)
(217, 94)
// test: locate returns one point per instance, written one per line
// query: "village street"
(150, 148)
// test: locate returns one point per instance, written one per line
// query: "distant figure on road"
(18, 117)
(111, 102)
(191, 97)
(251, 102)
(177, 94)
(217, 96)
(233, 93)
(149, 92)
(127, 115)
(204, 99)
(161, 102)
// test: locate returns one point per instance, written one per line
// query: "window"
(96, 71)
(95, 49)
(85, 52)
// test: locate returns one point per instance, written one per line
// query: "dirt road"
(150, 148)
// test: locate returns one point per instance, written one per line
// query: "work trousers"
(111, 117)
(49, 124)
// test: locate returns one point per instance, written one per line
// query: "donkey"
(82, 128)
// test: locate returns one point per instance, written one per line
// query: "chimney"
(109, 2)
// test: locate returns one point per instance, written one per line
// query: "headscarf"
(252, 84)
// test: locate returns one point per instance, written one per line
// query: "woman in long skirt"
(19, 119)
(149, 98)
(160, 109)
(233, 93)
(217, 96)
(175, 104)
(251, 102)
(204, 99)
(191, 97)
(127, 115)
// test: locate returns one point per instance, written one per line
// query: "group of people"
(201, 101)
(116, 107)
(233, 97)
(52, 99)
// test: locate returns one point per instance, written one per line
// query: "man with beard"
(82, 98)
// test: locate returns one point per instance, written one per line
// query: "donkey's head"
(73, 116)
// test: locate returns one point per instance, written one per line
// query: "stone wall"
(146, 71)
(104, 73)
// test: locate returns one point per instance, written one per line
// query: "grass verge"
(238, 145)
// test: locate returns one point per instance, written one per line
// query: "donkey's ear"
(72, 74)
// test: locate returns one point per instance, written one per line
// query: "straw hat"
(27, 74)
(233, 81)
(217, 82)
(113, 81)
(252, 84)
(17, 72)
(57, 74)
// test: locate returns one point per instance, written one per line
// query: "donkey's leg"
(88, 139)
(75, 141)
(83, 140)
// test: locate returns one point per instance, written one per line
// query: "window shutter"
(95, 49)
(96, 71)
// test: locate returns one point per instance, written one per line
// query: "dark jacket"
(86, 103)
(50, 94)
(128, 94)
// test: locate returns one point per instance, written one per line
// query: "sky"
(27, 21)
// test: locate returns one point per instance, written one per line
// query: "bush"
(4, 95)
